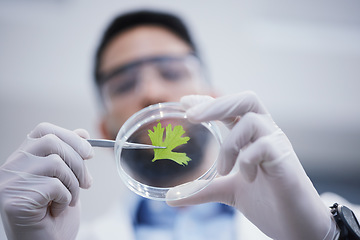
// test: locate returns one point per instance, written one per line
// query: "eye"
(173, 71)
(172, 75)
(123, 83)
(124, 87)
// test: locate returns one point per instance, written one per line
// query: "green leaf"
(172, 140)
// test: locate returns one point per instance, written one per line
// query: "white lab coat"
(116, 223)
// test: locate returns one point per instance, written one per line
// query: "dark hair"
(136, 18)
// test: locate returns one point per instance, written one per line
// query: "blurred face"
(142, 66)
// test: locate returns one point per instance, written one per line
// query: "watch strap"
(346, 221)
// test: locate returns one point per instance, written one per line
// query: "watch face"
(350, 222)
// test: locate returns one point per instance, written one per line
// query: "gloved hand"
(270, 186)
(39, 184)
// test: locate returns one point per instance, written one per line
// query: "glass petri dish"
(169, 176)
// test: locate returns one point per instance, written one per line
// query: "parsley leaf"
(172, 140)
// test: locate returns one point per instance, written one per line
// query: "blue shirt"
(155, 220)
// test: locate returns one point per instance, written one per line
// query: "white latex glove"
(271, 187)
(39, 184)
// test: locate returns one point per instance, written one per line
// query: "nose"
(152, 89)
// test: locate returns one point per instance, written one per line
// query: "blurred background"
(301, 57)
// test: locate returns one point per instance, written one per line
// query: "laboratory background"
(301, 57)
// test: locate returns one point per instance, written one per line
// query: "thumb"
(219, 190)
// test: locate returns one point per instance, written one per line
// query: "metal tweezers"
(110, 144)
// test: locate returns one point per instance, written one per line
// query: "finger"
(193, 100)
(190, 101)
(219, 190)
(249, 128)
(55, 167)
(226, 108)
(38, 193)
(79, 144)
(50, 144)
(266, 151)
(82, 133)
(60, 198)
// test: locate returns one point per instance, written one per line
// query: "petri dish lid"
(185, 167)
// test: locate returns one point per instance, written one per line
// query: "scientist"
(144, 58)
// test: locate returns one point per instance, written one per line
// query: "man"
(146, 58)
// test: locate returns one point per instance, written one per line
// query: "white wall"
(302, 58)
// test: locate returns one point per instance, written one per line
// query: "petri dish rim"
(137, 120)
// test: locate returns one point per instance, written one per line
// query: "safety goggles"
(125, 79)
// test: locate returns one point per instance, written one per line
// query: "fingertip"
(86, 150)
(197, 113)
(174, 203)
(57, 208)
(190, 101)
(55, 212)
(82, 133)
(188, 201)
(186, 101)
(188, 194)
(193, 114)
(89, 183)
(74, 201)
(89, 180)
(75, 192)
(195, 105)
(90, 153)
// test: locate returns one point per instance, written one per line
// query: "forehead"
(141, 42)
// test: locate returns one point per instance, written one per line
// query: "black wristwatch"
(346, 221)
